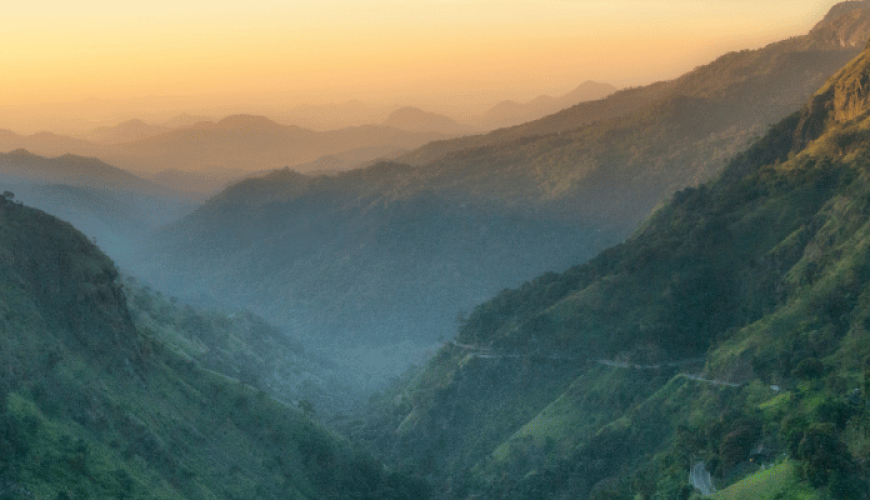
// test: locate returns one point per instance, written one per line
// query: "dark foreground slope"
(731, 331)
(90, 407)
(394, 253)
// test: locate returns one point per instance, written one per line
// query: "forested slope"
(92, 407)
(729, 331)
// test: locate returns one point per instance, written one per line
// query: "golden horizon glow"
(468, 52)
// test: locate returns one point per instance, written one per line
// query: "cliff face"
(851, 90)
(845, 97)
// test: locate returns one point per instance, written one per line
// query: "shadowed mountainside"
(92, 407)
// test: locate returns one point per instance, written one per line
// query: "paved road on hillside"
(700, 479)
(487, 353)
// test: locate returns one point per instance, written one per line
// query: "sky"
(438, 54)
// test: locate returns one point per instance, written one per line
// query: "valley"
(655, 292)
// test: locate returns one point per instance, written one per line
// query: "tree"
(822, 453)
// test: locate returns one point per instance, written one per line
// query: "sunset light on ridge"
(438, 53)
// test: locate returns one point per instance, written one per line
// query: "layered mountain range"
(241, 142)
(721, 343)
(397, 251)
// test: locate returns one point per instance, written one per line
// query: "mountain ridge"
(510, 113)
(733, 320)
(467, 223)
(415, 119)
(244, 142)
(845, 25)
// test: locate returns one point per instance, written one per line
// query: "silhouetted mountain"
(128, 131)
(241, 142)
(417, 120)
(751, 89)
(510, 113)
(23, 166)
(185, 120)
(47, 144)
(200, 184)
(253, 143)
(333, 116)
(727, 336)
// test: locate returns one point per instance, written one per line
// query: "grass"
(64, 457)
(777, 482)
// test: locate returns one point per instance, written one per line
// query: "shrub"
(822, 453)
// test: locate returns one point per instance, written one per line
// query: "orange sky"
(439, 54)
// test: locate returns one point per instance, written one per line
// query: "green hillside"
(93, 407)
(243, 346)
(730, 331)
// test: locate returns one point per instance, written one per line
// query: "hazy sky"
(415, 51)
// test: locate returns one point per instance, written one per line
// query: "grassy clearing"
(777, 482)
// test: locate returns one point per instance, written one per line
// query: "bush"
(809, 368)
(823, 454)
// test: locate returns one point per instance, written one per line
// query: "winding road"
(699, 477)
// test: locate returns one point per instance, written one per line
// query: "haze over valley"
(440, 250)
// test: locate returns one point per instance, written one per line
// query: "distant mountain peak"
(415, 119)
(590, 90)
(508, 112)
(21, 153)
(845, 25)
(843, 8)
(185, 120)
(285, 175)
(85, 160)
(248, 121)
(411, 113)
